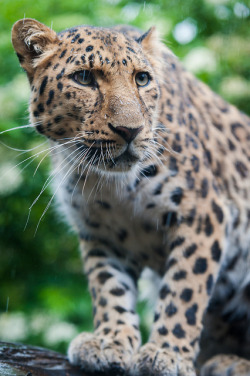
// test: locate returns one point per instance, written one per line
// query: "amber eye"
(142, 78)
(84, 77)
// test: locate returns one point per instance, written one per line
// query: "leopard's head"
(95, 90)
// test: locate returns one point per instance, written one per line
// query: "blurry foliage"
(43, 294)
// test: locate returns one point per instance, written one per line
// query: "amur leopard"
(152, 170)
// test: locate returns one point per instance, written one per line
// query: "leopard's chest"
(121, 215)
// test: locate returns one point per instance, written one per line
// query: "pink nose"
(128, 134)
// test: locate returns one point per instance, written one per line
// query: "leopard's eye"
(142, 78)
(84, 77)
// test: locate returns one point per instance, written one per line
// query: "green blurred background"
(43, 294)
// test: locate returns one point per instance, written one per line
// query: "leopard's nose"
(128, 134)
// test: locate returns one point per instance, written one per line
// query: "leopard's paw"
(99, 354)
(225, 365)
(154, 361)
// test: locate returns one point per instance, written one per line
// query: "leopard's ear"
(151, 45)
(149, 40)
(32, 40)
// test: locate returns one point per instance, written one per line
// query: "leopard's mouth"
(123, 162)
(103, 159)
(126, 157)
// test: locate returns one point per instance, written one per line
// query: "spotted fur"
(152, 170)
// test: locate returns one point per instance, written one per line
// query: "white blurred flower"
(222, 12)
(130, 11)
(200, 59)
(217, 2)
(241, 10)
(13, 327)
(163, 25)
(113, 2)
(185, 31)
(235, 87)
(11, 178)
(59, 332)
(39, 322)
(12, 95)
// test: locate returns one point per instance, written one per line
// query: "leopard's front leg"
(112, 284)
(184, 293)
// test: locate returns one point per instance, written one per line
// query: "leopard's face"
(96, 91)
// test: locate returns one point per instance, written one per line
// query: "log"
(21, 360)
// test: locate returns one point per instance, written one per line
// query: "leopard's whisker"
(54, 153)
(100, 177)
(23, 150)
(32, 125)
(30, 159)
(52, 176)
(83, 168)
(56, 190)
(103, 157)
(109, 153)
(88, 167)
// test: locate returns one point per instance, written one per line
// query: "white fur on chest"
(114, 211)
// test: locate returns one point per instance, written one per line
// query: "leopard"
(152, 171)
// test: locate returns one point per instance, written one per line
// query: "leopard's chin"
(123, 163)
(126, 159)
